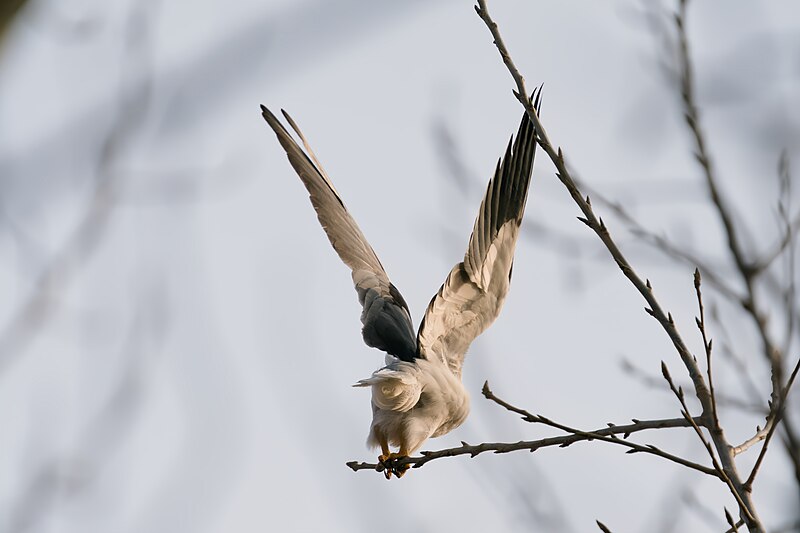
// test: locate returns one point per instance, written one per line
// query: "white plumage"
(418, 394)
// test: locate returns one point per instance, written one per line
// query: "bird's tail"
(393, 390)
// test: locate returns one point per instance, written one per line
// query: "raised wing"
(473, 294)
(385, 315)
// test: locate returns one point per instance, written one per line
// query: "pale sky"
(193, 370)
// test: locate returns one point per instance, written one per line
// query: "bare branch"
(589, 218)
(759, 435)
(69, 474)
(707, 445)
(790, 225)
(701, 325)
(723, 448)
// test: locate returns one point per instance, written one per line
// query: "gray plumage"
(418, 394)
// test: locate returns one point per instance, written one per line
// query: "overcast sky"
(187, 359)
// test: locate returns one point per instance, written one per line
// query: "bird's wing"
(473, 294)
(385, 315)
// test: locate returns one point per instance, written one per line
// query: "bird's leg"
(384, 457)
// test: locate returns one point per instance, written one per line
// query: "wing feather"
(473, 293)
(385, 316)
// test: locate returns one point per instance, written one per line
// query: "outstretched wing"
(385, 315)
(473, 294)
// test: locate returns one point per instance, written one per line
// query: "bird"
(418, 393)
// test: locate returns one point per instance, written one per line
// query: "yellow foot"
(400, 470)
(390, 466)
(383, 460)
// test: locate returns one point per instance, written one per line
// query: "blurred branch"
(746, 269)
(733, 357)
(712, 424)
(662, 243)
(657, 383)
(71, 473)
(787, 244)
(696, 504)
(9, 9)
(36, 309)
(774, 421)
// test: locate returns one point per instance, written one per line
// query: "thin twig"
(707, 445)
(784, 213)
(766, 260)
(790, 226)
(758, 436)
(605, 434)
(638, 425)
(779, 411)
(701, 325)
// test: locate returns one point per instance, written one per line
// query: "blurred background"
(178, 339)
